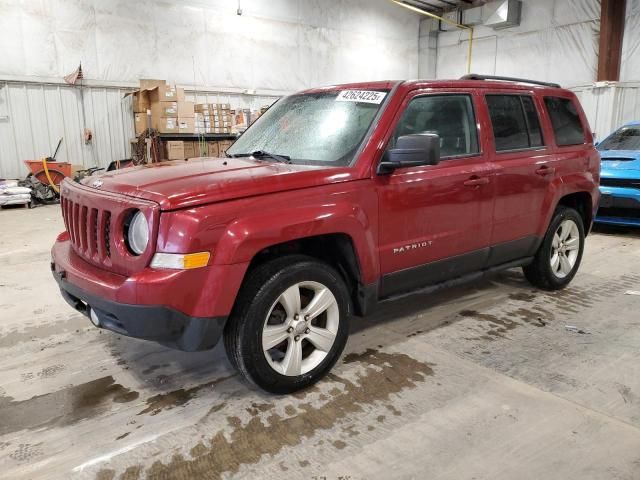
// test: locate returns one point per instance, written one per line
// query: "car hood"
(186, 183)
(620, 163)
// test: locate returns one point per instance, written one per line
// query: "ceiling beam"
(611, 32)
(452, 4)
(423, 6)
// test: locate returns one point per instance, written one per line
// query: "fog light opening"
(93, 316)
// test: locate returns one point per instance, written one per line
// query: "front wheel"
(290, 324)
(558, 258)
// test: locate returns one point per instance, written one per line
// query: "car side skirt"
(452, 270)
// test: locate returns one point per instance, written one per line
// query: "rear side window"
(515, 122)
(565, 121)
(450, 116)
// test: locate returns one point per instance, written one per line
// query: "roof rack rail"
(475, 76)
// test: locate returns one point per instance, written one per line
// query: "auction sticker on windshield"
(366, 96)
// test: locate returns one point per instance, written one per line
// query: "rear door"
(525, 168)
(435, 220)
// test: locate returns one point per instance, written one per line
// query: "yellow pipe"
(46, 172)
(445, 20)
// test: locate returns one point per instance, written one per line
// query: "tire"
(291, 359)
(558, 259)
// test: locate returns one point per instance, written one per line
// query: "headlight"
(138, 233)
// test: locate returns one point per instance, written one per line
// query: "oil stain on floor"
(176, 398)
(64, 407)
(384, 374)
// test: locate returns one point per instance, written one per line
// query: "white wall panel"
(272, 45)
(630, 65)
(557, 40)
(608, 106)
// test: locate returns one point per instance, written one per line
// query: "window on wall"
(565, 120)
(515, 123)
(450, 116)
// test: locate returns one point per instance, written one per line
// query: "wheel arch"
(582, 202)
(335, 249)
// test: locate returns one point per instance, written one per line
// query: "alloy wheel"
(565, 248)
(300, 328)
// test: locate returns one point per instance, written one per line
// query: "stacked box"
(174, 150)
(170, 113)
(165, 124)
(223, 145)
(190, 150)
(180, 150)
(212, 149)
(213, 118)
(140, 122)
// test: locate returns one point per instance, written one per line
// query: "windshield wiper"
(263, 154)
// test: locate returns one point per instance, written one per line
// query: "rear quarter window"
(565, 121)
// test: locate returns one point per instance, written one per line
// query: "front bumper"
(160, 306)
(156, 323)
(619, 206)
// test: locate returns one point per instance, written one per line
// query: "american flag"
(73, 77)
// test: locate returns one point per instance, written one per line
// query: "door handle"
(476, 181)
(544, 170)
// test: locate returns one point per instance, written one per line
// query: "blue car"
(620, 177)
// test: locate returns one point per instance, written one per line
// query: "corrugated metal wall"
(609, 105)
(33, 117)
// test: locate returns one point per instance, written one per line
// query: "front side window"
(449, 116)
(313, 128)
(565, 120)
(514, 121)
(625, 138)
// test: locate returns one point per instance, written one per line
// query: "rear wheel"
(289, 325)
(558, 258)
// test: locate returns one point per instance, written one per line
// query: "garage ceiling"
(440, 6)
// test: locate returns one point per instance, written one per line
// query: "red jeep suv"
(335, 199)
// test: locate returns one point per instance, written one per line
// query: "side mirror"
(411, 151)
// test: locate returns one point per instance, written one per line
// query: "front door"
(435, 221)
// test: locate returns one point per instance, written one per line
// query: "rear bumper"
(156, 323)
(619, 206)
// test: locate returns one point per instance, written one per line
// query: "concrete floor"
(477, 382)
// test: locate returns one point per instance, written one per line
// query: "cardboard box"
(165, 124)
(200, 117)
(202, 107)
(185, 109)
(140, 101)
(213, 149)
(191, 150)
(149, 84)
(175, 150)
(186, 125)
(223, 145)
(140, 122)
(166, 93)
(164, 109)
